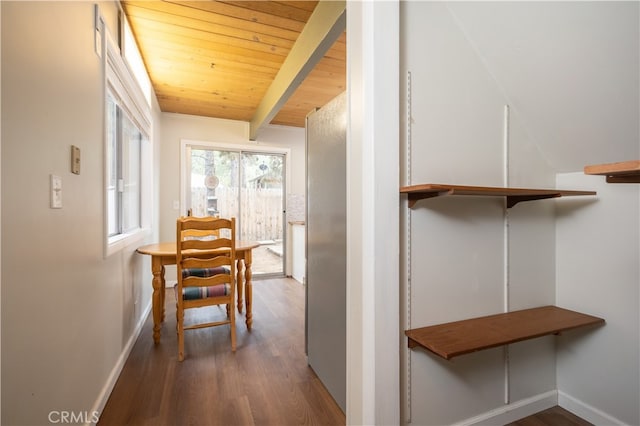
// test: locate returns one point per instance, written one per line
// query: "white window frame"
(123, 86)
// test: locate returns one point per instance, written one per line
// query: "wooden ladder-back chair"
(205, 261)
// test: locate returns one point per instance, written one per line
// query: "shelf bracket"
(417, 196)
(623, 179)
(512, 200)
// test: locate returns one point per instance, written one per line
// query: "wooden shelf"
(513, 195)
(623, 172)
(462, 337)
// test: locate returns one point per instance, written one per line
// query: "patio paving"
(267, 260)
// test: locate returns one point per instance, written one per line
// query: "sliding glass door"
(249, 186)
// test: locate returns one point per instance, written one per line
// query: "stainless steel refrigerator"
(326, 245)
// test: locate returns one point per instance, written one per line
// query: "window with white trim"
(124, 143)
(127, 144)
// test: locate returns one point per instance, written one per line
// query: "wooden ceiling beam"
(325, 26)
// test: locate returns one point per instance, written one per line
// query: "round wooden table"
(165, 254)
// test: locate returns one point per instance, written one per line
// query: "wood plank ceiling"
(218, 58)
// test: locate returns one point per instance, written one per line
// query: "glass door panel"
(248, 186)
(262, 211)
(215, 177)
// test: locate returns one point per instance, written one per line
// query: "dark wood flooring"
(265, 382)
(554, 416)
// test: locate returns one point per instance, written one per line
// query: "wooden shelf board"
(621, 172)
(462, 337)
(513, 195)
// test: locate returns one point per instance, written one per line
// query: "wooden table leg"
(248, 288)
(239, 283)
(158, 296)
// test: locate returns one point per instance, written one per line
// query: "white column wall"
(373, 395)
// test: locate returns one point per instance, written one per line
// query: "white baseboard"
(587, 412)
(101, 401)
(514, 411)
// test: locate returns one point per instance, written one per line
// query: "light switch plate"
(56, 192)
(75, 160)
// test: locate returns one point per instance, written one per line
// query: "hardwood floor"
(554, 416)
(266, 382)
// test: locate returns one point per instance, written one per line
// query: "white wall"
(570, 68)
(292, 138)
(598, 251)
(67, 312)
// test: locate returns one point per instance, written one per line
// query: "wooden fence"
(261, 218)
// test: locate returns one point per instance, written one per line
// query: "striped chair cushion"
(194, 293)
(205, 272)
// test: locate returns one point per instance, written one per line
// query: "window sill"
(119, 242)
